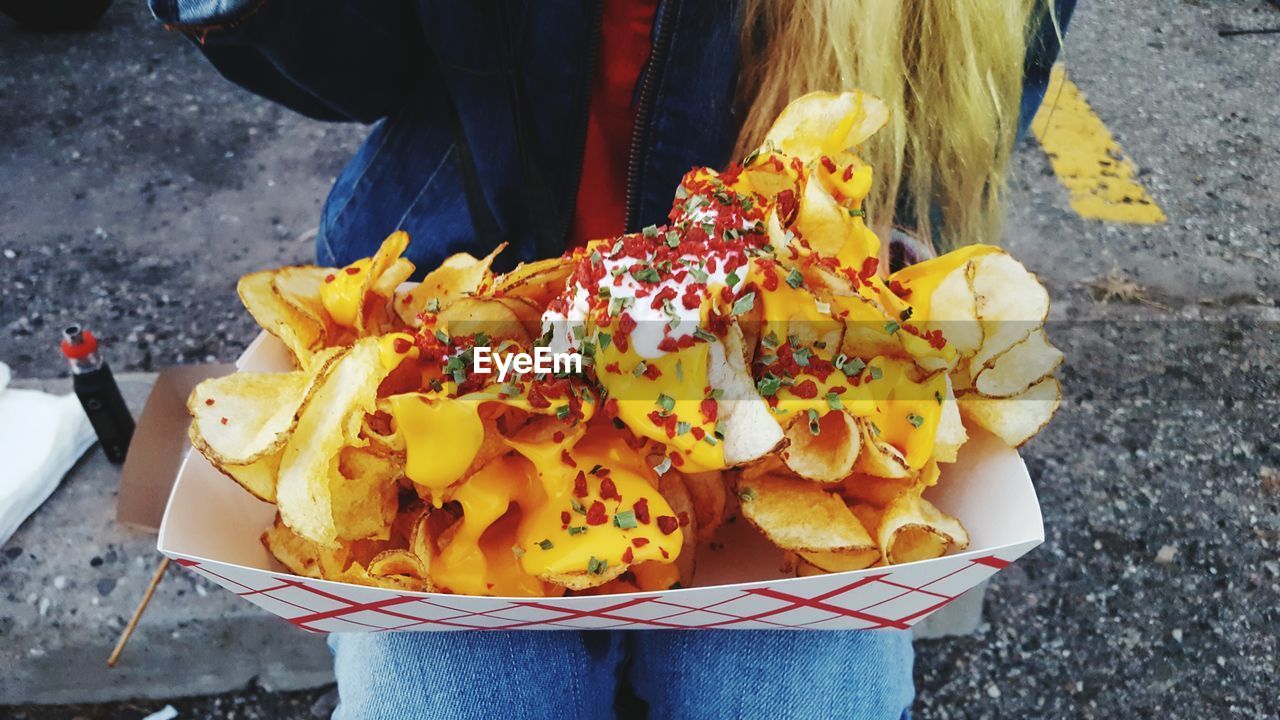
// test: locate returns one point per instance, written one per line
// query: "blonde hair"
(950, 72)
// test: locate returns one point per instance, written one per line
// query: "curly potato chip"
(827, 457)
(798, 515)
(912, 529)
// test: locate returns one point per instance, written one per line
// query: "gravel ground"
(137, 185)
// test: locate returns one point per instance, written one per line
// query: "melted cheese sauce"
(342, 292)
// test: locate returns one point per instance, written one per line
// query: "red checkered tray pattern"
(893, 597)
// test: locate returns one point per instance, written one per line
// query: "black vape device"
(98, 392)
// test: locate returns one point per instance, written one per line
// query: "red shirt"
(625, 43)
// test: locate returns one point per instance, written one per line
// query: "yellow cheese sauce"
(342, 292)
(532, 514)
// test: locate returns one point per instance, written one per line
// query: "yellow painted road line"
(1088, 161)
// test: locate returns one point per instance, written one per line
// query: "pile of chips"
(748, 359)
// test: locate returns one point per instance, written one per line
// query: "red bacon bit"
(626, 324)
(565, 517)
(639, 542)
(692, 297)
(580, 484)
(787, 206)
(223, 421)
(567, 459)
(807, 390)
(651, 371)
(698, 433)
(400, 345)
(666, 344)
(596, 514)
(608, 490)
(869, 267)
(665, 554)
(899, 289)
(613, 368)
(666, 293)
(820, 368)
(557, 437)
(668, 524)
(676, 458)
(209, 401)
(684, 519)
(641, 509)
(847, 175)
(537, 399)
(628, 556)
(352, 271)
(611, 408)
(330, 278)
(828, 164)
(710, 409)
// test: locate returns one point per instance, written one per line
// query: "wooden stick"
(133, 621)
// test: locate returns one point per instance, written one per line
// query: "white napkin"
(41, 437)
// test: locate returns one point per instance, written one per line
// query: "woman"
(545, 124)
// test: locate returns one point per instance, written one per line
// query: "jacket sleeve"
(327, 59)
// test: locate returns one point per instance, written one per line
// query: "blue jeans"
(678, 674)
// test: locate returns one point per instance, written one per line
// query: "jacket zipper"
(593, 58)
(662, 32)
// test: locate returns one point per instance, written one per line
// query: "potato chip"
(538, 282)
(491, 316)
(299, 333)
(299, 286)
(834, 562)
(827, 457)
(459, 275)
(1010, 302)
(798, 515)
(301, 556)
(710, 499)
(951, 433)
(912, 529)
(1014, 419)
(879, 458)
(1018, 368)
(364, 494)
(824, 123)
(329, 420)
(750, 431)
(241, 417)
(876, 490)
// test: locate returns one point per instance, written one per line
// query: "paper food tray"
(211, 526)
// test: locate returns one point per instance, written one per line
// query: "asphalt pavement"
(136, 185)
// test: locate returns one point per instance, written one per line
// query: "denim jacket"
(479, 108)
